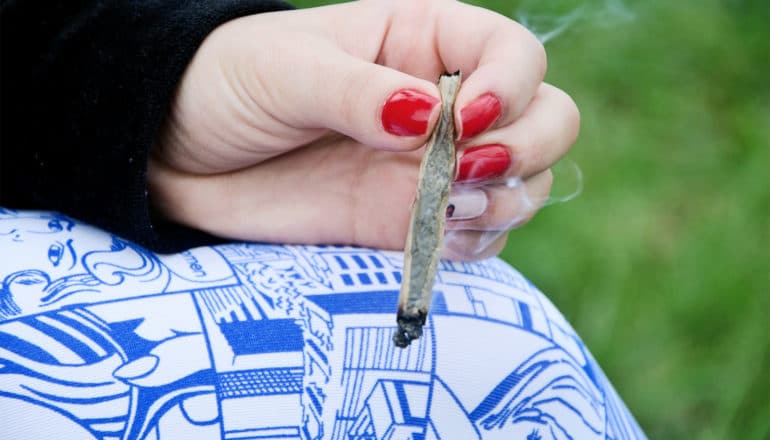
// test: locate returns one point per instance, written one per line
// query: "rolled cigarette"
(426, 228)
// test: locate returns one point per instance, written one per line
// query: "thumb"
(375, 105)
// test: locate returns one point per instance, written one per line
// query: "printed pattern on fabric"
(101, 339)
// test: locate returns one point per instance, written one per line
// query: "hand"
(307, 126)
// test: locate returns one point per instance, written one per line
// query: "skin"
(275, 133)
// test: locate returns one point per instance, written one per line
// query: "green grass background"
(662, 265)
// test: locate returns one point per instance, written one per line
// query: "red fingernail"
(483, 162)
(407, 111)
(479, 115)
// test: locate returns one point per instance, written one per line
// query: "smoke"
(548, 19)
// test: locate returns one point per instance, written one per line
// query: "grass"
(663, 263)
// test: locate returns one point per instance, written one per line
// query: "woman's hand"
(307, 126)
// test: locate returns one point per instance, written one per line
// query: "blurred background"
(662, 264)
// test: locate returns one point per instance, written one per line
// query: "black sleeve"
(85, 86)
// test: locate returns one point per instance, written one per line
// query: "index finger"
(504, 64)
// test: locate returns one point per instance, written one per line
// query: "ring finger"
(497, 207)
(528, 146)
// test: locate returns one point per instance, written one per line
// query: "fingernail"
(479, 115)
(407, 112)
(483, 162)
(466, 204)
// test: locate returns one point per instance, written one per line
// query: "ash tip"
(409, 327)
(403, 337)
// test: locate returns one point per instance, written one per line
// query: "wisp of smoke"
(548, 19)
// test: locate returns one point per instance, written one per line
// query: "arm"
(85, 88)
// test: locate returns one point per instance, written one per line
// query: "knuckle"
(567, 114)
(350, 96)
(572, 113)
(537, 157)
(547, 181)
(539, 55)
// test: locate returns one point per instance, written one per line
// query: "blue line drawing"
(102, 339)
(50, 261)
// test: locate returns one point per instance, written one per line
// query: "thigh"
(101, 338)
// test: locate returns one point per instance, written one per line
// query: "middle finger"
(526, 147)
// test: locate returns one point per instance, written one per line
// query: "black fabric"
(85, 86)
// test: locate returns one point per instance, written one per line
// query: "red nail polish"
(407, 111)
(483, 162)
(479, 115)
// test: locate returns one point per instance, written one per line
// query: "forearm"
(85, 89)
